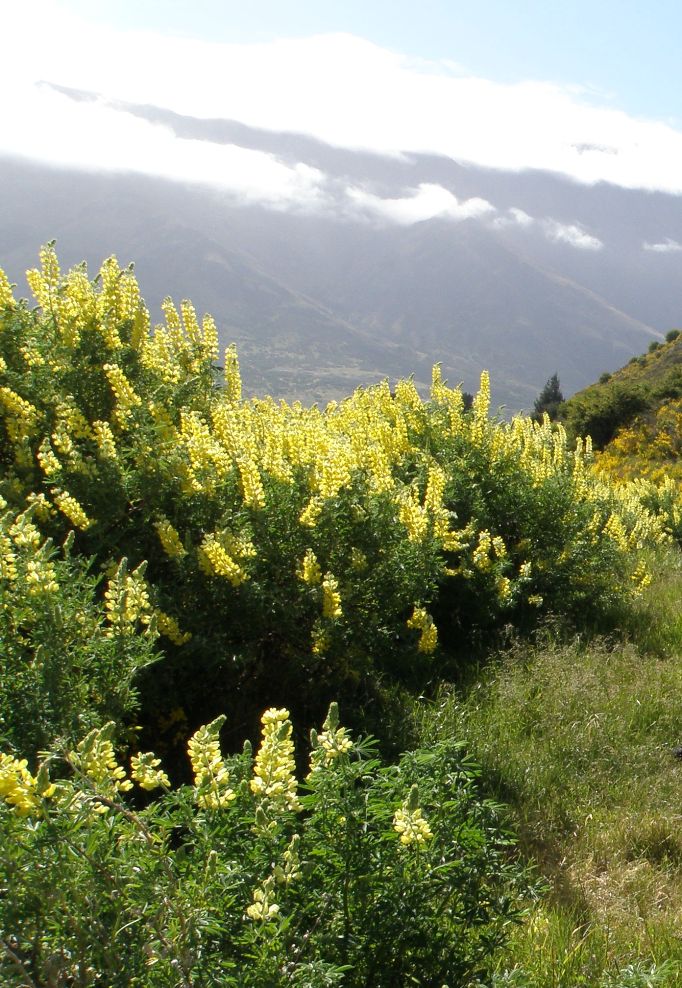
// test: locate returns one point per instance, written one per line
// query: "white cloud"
(48, 126)
(425, 203)
(666, 246)
(571, 234)
(513, 217)
(339, 88)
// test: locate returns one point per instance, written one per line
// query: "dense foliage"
(170, 550)
(68, 660)
(367, 875)
(293, 555)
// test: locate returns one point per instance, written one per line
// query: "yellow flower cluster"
(331, 598)
(21, 790)
(331, 744)
(6, 296)
(422, 621)
(409, 822)
(22, 416)
(211, 777)
(252, 486)
(169, 539)
(94, 758)
(481, 555)
(70, 507)
(40, 577)
(144, 769)
(264, 908)
(8, 559)
(126, 396)
(274, 779)
(169, 627)
(126, 600)
(49, 463)
(104, 438)
(45, 283)
(216, 559)
(233, 381)
(309, 570)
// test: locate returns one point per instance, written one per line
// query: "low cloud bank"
(573, 235)
(388, 103)
(425, 203)
(666, 246)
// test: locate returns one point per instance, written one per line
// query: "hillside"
(637, 390)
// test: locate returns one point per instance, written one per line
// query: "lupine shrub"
(293, 554)
(362, 875)
(68, 657)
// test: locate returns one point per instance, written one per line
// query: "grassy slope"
(638, 388)
(578, 740)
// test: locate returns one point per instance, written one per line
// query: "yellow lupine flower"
(169, 539)
(23, 416)
(211, 777)
(274, 780)
(94, 757)
(331, 598)
(169, 627)
(144, 769)
(233, 381)
(17, 786)
(422, 621)
(40, 577)
(309, 570)
(252, 486)
(413, 517)
(481, 554)
(104, 438)
(126, 600)
(49, 463)
(263, 908)
(331, 744)
(499, 547)
(311, 513)
(215, 560)
(210, 338)
(6, 296)
(409, 822)
(70, 507)
(125, 394)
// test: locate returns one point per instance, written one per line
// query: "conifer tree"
(549, 399)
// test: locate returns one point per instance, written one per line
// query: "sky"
(625, 50)
(588, 90)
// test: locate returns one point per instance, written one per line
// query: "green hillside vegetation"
(617, 399)
(210, 604)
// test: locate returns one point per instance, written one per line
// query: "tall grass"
(579, 740)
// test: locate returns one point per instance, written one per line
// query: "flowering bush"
(68, 659)
(289, 554)
(361, 875)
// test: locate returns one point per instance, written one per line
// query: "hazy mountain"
(550, 275)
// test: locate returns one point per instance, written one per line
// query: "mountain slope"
(323, 299)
